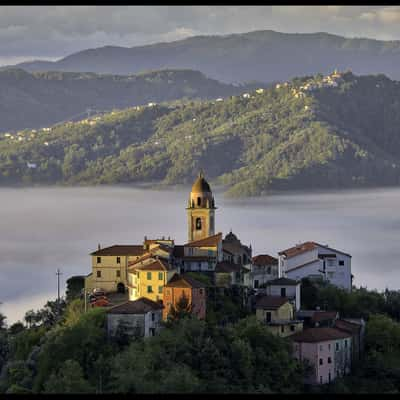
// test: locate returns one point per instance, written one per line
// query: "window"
(283, 292)
(199, 265)
(320, 379)
(268, 317)
(201, 291)
(292, 328)
(160, 276)
(118, 274)
(160, 289)
(149, 289)
(199, 201)
(320, 361)
(329, 360)
(99, 274)
(152, 316)
(320, 347)
(345, 343)
(149, 276)
(341, 262)
(329, 346)
(337, 346)
(329, 376)
(152, 332)
(330, 262)
(255, 284)
(269, 270)
(98, 260)
(198, 224)
(118, 260)
(282, 328)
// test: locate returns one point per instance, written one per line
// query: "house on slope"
(185, 286)
(263, 269)
(285, 287)
(328, 350)
(316, 261)
(278, 314)
(141, 318)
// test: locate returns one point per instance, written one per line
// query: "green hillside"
(315, 132)
(32, 100)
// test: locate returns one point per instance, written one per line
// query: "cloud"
(56, 31)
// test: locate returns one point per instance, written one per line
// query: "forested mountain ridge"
(265, 56)
(34, 100)
(341, 131)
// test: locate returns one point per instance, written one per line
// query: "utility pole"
(58, 273)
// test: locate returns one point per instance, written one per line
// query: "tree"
(182, 309)
(69, 379)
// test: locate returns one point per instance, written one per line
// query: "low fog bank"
(43, 229)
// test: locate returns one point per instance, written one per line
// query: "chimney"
(98, 247)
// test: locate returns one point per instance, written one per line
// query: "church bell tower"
(200, 210)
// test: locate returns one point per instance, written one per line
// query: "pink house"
(328, 350)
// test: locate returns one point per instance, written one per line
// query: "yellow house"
(278, 314)
(110, 267)
(148, 276)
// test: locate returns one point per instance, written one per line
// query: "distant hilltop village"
(158, 278)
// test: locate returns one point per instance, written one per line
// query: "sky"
(52, 32)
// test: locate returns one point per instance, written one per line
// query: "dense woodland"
(39, 99)
(61, 349)
(333, 137)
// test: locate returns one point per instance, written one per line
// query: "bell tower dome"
(200, 210)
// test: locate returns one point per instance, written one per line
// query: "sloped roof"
(307, 246)
(271, 302)
(347, 326)
(120, 250)
(298, 249)
(264, 259)
(206, 242)
(139, 306)
(283, 282)
(319, 316)
(156, 265)
(313, 335)
(226, 267)
(184, 281)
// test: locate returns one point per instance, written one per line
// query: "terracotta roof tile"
(206, 242)
(264, 259)
(156, 265)
(184, 281)
(271, 302)
(347, 326)
(314, 335)
(298, 249)
(139, 306)
(120, 250)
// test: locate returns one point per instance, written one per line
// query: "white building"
(285, 287)
(314, 260)
(263, 268)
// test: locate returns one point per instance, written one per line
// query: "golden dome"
(201, 185)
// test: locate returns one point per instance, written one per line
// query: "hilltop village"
(161, 279)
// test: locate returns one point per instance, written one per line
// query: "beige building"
(110, 267)
(278, 314)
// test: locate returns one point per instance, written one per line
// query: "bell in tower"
(201, 210)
